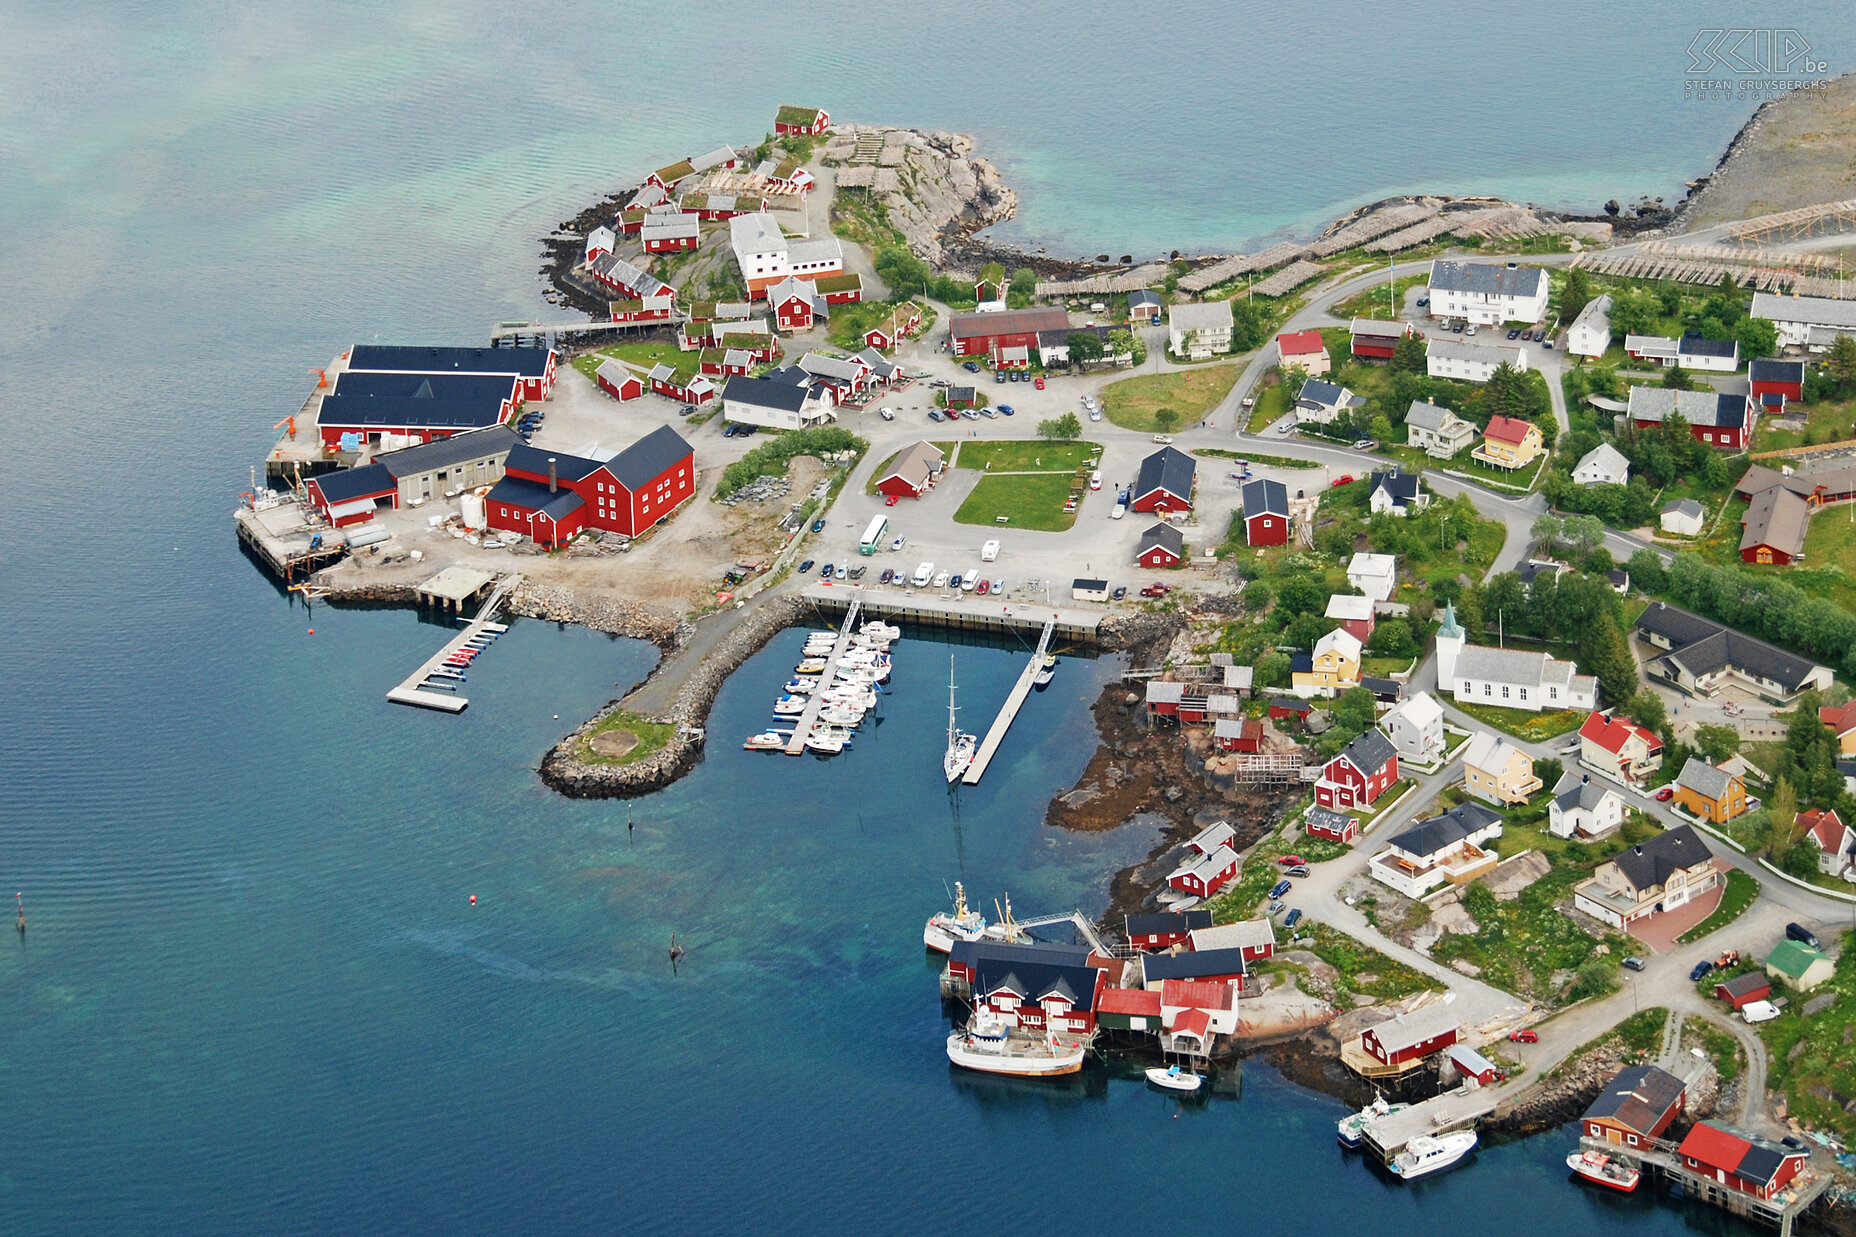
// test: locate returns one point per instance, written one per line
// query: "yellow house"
(1713, 794)
(1497, 771)
(1331, 669)
(1842, 721)
(1508, 443)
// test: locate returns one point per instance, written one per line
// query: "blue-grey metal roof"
(524, 458)
(1157, 923)
(649, 458)
(1194, 965)
(1265, 497)
(1695, 345)
(386, 412)
(1401, 487)
(1164, 535)
(393, 384)
(557, 505)
(785, 395)
(1768, 369)
(1486, 278)
(1653, 862)
(1428, 837)
(1369, 752)
(369, 480)
(498, 440)
(409, 358)
(1167, 469)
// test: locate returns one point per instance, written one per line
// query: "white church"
(1507, 678)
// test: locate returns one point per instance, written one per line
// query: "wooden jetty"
(1015, 699)
(287, 540)
(412, 690)
(802, 730)
(1658, 1157)
(1386, 1136)
(515, 333)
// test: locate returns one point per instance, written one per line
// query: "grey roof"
(1704, 647)
(1200, 316)
(1143, 296)
(1156, 923)
(821, 366)
(1720, 410)
(536, 496)
(1606, 457)
(1777, 518)
(1164, 691)
(348, 484)
(766, 393)
(1479, 661)
(1476, 350)
(1686, 506)
(1401, 487)
(1369, 752)
(1164, 535)
(1704, 779)
(1815, 310)
(1263, 496)
(623, 273)
(416, 358)
(1579, 791)
(1652, 863)
(647, 459)
(444, 452)
(1695, 345)
(1196, 964)
(1328, 394)
(1638, 1097)
(1431, 417)
(1167, 469)
(1487, 278)
(1428, 837)
(524, 458)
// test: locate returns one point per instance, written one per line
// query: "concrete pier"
(1453, 1110)
(411, 690)
(960, 612)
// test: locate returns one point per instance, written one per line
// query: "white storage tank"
(470, 506)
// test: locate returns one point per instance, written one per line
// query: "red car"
(891, 502)
(1038, 383)
(1291, 861)
(1524, 1037)
(1665, 794)
(1345, 478)
(1156, 590)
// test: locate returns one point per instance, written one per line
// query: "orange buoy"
(312, 631)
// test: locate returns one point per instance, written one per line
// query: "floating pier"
(413, 690)
(1009, 710)
(802, 730)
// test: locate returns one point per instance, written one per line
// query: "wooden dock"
(1009, 710)
(413, 691)
(1452, 1110)
(1659, 1157)
(802, 730)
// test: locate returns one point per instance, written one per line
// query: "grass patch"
(1372, 302)
(615, 732)
(1530, 947)
(1272, 403)
(1534, 727)
(1363, 970)
(1516, 479)
(1721, 1046)
(1271, 461)
(1823, 1069)
(1132, 402)
(1742, 892)
(770, 458)
(1026, 455)
(1027, 500)
(646, 355)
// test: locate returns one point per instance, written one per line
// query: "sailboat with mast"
(960, 744)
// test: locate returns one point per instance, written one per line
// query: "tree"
(1165, 419)
(1380, 427)
(1575, 294)
(1585, 532)
(1025, 282)
(1647, 572)
(1646, 708)
(1758, 338)
(1122, 343)
(1408, 355)
(1084, 347)
(1549, 770)
(1273, 669)
(1504, 600)
(1061, 428)
(1717, 743)
(1675, 378)
(1606, 653)
(1257, 596)
(1599, 561)
(1547, 528)
(1250, 325)
(1392, 638)
(1300, 594)
(1784, 811)
(1840, 362)
(1354, 709)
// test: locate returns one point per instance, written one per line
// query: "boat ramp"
(432, 685)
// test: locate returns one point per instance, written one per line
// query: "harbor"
(1661, 1160)
(1072, 624)
(435, 684)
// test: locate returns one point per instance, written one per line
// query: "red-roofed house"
(1619, 748)
(1835, 842)
(1738, 1160)
(1508, 442)
(1843, 722)
(1215, 1002)
(1306, 349)
(1128, 1009)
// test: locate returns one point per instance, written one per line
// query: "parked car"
(953, 414)
(1524, 1036)
(889, 500)
(988, 413)
(1284, 427)
(1366, 444)
(1291, 861)
(1039, 384)
(1155, 590)
(897, 543)
(1699, 971)
(1345, 478)
(1300, 869)
(818, 526)
(1759, 1011)
(888, 414)
(886, 577)
(1458, 328)
(1803, 935)
(1292, 918)
(804, 567)
(1095, 479)
(1514, 332)
(940, 579)
(841, 573)
(824, 573)
(1165, 440)
(1276, 907)
(1280, 887)
(1469, 330)
(1121, 591)
(923, 574)
(983, 587)
(1422, 301)
(936, 417)
(728, 431)
(1633, 963)
(998, 587)
(1006, 409)
(857, 572)
(972, 367)
(1000, 377)
(1095, 414)
(1665, 794)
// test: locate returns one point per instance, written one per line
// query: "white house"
(767, 255)
(1439, 432)
(1487, 292)
(1720, 355)
(1590, 333)
(1199, 329)
(1602, 465)
(1469, 360)
(1513, 679)
(1812, 322)
(1376, 575)
(1684, 517)
(1416, 728)
(1396, 491)
(1445, 849)
(1320, 401)
(1584, 809)
(786, 403)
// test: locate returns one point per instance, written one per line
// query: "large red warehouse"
(1007, 336)
(551, 497)
(420, 407)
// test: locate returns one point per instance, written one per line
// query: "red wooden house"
(840, 289)
(724, 362)
(1359, 773)
(1037, 987)
(1638, 1104)
(1719, 419)
(1290, 709)
(1413, 1036)
(1321, 822)
(600, 241)
(1164, 929)
(1742, 990)
(630, 309)
(1164, 482)
(1008, 336)
(1266, 513)
(672, 233)
(1204, 874)
(805, 121)
(1774, 382)
(687, 385)
(534, 368)
(1128, 1009)
(619, 381)
(1376, 339)
(1738, 1160)
(552, 497)
(794, 303)
(1232, 734)
(901, 323)
(1161, 546)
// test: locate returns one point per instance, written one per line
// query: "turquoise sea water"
(255, 997)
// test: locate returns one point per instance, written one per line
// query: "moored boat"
(1605, 1170)
(990, 1046)
(1046, 672)
(765, 741)
(839, 715)
(960, 744)
(1172, 1078)
(1352, 1126)
(1426, 1153)
(944, 929)
(812, 665)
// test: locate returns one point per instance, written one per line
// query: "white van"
(923, 574)
(970, 581)
(989, 552)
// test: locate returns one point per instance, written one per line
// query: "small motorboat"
(1172, 1078)
(766, 741)
(797, 686)
(839, 716)
(1605, 1170)
(1046, 672)
(811, 665)
(789, 706)
(1426, 1153)
(1353, 1126)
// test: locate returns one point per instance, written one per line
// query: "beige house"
(1668, 871)
(1497, 771)
(1438, 432)
(1331, 669)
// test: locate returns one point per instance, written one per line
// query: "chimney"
(1512, 265)
(1636, 850)
(554, 482)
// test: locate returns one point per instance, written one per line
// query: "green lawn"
(1372, 303)
(1028, 500)
(1025, 455)
(651, 737)
(1523, 946)
(1267, 461)
(1272, 402)
(1363, 971)
(881, 470)
(1517, 479)
(646, 355)
(1742, 892)
(1132, 402)
(1826, 420)
(1534, 727)
(1823, 1073)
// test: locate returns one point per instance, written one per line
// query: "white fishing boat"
(818, 650)
(837, 715)
(1046, 672)
(1352, 1126)
(797, 686)
(1426, 1153)
(812, 665)
(960, 744)
(789, 706)
(1172, 1078)
(963, 925)
(990, 1046)
(766, 741)
(824, 742)
(1605, 1170)
(877, 629)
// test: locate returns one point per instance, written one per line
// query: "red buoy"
(473, 899)
(312, 631)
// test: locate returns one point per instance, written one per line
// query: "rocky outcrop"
(564, 770)
(1126, 631)
(932, 187)
(617, 616)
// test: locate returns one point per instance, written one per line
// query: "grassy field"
(650, 736)
(1028, 500)
(646, 355)
(1132, 402)
(1742, 891)
(1364, 971)
(1534, 727)
(1273, 400)
(1025, 455)
(1372, 303)
(1266, 461)
(1824, 1069)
